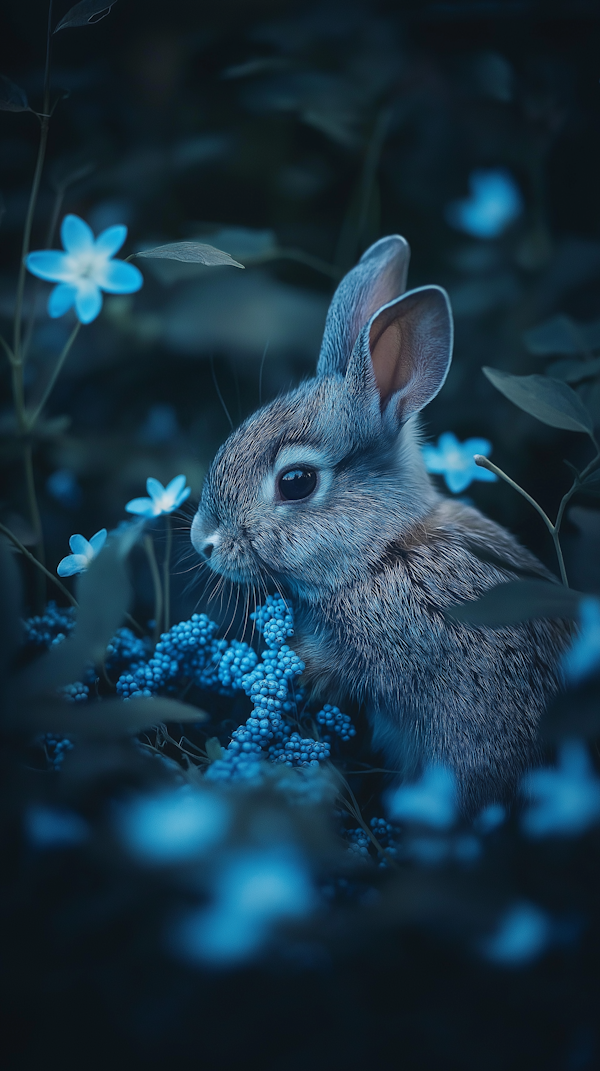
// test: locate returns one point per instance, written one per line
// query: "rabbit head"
(309, 490)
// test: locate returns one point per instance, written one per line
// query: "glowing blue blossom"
(85, 269)
(494, 203)
(455, 462)
(254, 890)
(431, 801)
(84, 552)
(162, 499)
(175, 826)
(583, 658)
(524, 932)
(566, 800)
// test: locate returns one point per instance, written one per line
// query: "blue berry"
(126, 651)
(75, 693)
(332, 718)
(274, 620)
(50, 627)
(56, 748)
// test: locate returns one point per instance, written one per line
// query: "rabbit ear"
(378, 278)
(405, 352)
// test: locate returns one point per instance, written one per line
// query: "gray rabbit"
(323, 493)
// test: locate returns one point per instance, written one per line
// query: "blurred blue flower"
(254, 890)
(175, 826)
(162, 499)
(62, 485)
(84, 552)
(53, 827)
(431, 801)
(85, 269)
(495, 202)
(583, 658)
(523, 933)
(566, 801)
(490, 818)
(455, 462)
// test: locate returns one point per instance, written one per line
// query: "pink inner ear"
(392, 371)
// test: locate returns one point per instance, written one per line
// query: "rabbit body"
(323, 492)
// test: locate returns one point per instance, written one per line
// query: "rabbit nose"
(207, 549)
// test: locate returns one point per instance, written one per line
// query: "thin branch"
(32, 558)
(55, 374)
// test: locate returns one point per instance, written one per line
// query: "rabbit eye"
(297, 483)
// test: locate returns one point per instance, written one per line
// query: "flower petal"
(88, 300)
(174, 488)
(478, 446)
(457, 480)
(433, 460)
(73, 563)
(61, 299)
(77, 237)
(98, 540)
(484, 474)
(182, 497)
(111, 240)
(154, 488)
(117, 277)
(143, 506)
(79, 545)
(51, 265)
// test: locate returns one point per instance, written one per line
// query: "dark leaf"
(190, 253)
(490, 557)
(85, 14)
(549, 400)
(12, 97)
(252, 67)
(561, 334)
(574, 371)
(103, 595)
(106, 719)
(575, 713)
(515, 601)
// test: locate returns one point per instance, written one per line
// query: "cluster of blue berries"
(274, 620)
(126, 651)
(331, 718)
(51, 627)
(77, 692)
(358, 843)
(299, 750)
(56, 749)
(186, 650)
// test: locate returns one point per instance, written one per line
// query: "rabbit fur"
(372, 557)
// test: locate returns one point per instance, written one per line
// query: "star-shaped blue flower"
(454, 461)
(162, 499)
(85, 269)
(84, 552)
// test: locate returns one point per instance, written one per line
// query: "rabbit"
(323, 492)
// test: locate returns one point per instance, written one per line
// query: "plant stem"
(31, 422)
(158, 597)
(167, 573)
(485, 463)
(44, 127)
(17, 543)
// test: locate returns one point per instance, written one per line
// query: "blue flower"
(162, 499)
(175, 826)
(566, 801)
(583, 658)
(495, 202)
(431, 801)
(254, 890)
(84, 269)
(523, 933)
(455, 462)
(84, 552)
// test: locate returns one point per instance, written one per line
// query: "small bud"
(482, 461)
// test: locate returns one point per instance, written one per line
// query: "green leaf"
(549, 400)
(515, 601)
(574, 371)
(85, 14)
(591, 485)
(190, 253)
(106, 719)
(12, 97)
(214, 749)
